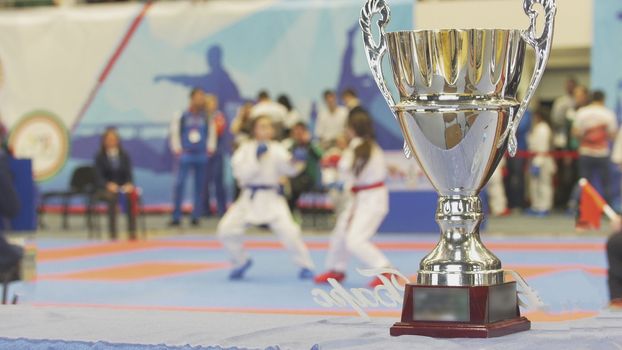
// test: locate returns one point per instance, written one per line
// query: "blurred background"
(72, 69)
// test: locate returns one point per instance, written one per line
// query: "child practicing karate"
(258, 165)
(362, 171)
(542, 167)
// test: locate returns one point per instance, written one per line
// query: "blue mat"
(31, 344)
(577, 281)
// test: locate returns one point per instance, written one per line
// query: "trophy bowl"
(458, 112)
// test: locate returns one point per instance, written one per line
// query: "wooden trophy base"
(460, 312)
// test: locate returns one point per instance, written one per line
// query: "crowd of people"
(200, 138)
(556, 147)
(276, 158)
(577, 138)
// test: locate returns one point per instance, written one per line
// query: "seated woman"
(114, 178)
(10, 255)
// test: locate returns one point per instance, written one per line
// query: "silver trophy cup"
(458, 113)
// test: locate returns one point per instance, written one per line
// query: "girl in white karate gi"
(542, 169)
(258, 164)
(363, 171)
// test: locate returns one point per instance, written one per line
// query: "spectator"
(561, 106)
(273, 110)
(4, 144)
(193, 137)
(292, 118)
(114, 177)
(581, 99)
(516, 166)
(10, 255)
(616, 151)
(241, 124)
(594, 126)
(308, 179)
(497, 199)
(568, 174)
(614, 258)
(352, 102)
(215, 164)
(542, 166)
(331, 121)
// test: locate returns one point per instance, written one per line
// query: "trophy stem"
(460, 258)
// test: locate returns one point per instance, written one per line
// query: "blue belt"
(255, 188)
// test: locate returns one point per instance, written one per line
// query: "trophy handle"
(373, 51)
(542, 48)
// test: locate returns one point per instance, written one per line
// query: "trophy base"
(460, 311)
(461, 330)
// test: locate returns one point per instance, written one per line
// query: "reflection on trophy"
(458, 113)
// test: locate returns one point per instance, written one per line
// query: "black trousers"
(567, 177)
(112, 201)
(515, 182)
(298, 185)
(614, 257)
(10, 255)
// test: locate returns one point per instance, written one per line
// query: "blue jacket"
(523, 130)
(107, 171)
(194, 132)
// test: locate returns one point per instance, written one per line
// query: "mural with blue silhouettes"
(296, 48)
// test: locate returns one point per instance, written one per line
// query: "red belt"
(357, 189)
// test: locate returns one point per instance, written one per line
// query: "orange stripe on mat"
(536, 316)
(148, 270)
(308, 312)
(540, 316)
(124, 247)
(528, 271)
(119, 247)
(135, 272)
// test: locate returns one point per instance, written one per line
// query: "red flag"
(591, 207)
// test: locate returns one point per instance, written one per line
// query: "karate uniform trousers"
(541, 181)
(364, 211)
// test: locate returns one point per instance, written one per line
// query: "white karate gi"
(362, 215)
(541, 186)
(262, 206)
(497, 200)
(331, 125)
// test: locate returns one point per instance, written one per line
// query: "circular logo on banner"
(42, 137)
